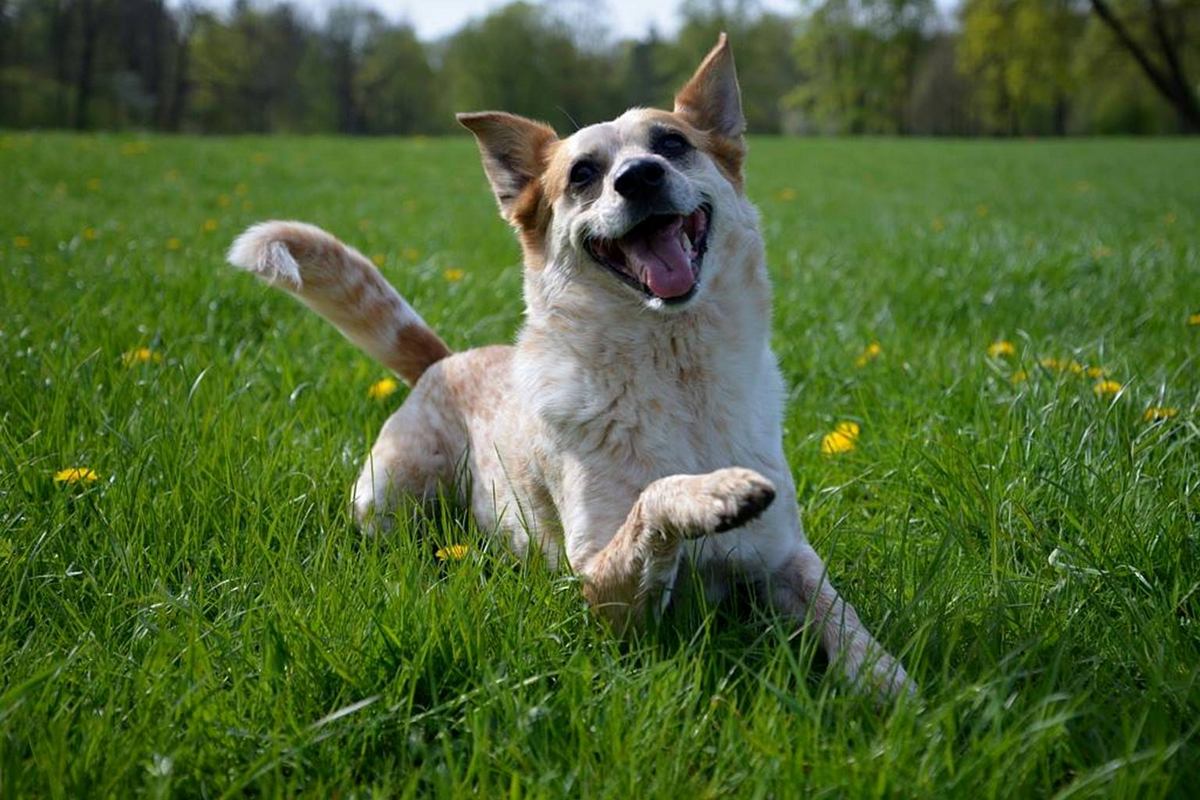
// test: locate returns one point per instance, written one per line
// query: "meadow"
(186, 608)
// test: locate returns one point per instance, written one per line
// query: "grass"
(203, 619)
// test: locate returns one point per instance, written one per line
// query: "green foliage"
(203, 619)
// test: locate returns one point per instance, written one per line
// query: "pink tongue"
(660, 261)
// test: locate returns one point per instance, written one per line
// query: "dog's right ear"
(514, 151)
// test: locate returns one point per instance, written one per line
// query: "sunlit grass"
(187, 608)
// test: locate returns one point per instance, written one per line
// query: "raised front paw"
(719, 501)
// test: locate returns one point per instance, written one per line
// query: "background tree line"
(993, 67)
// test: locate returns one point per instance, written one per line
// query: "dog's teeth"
(686, 241)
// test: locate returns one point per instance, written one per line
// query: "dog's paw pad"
(733, 497)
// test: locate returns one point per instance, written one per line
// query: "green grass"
(205, 620)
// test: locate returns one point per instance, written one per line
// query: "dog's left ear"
(711, 101)
(514, 151)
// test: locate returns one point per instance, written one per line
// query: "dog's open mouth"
(660, 256)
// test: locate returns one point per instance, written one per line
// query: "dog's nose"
(639, 178)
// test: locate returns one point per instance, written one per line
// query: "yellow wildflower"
(1051, 363)
(171, 175)
(869, 354)
(453, 552)
(140, 355)
(982, 210)
(454, 275)
(378, 259)
(21, 242)
(1103, 388)
(89, 234)
(93, 184)
(1020, 376)
(241, 189)
(786, 194)
(383, 388)
(1100, 251)
(210, 225)
(1194, 319)
(1159, 413)
(411, 253)
(247, 205)
(260, 158)
(224, 200)
(938, 225)
(76, 475)
(174, 243)
(1074, 367)
(1097, 372)
(1001, 348)
(841, 439)
(134, 148)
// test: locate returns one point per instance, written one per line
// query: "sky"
(436, 18)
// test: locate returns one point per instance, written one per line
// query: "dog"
(636, 425)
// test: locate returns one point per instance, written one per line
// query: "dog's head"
(631, 207)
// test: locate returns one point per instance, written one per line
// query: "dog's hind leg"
(640, 561)
(801, 589)
(415, 454)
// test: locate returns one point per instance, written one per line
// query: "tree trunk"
(1172, 85)
(89, 32)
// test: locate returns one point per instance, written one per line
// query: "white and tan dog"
(636, 424)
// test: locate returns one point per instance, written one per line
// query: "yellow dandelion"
(210, 225)
(841, 439)
(786, 194)
(834, 443)
(76, 475)
(247, 205)
(171, 175)
(22, 242)
(411, 254)
(89, 234)
(93, 184)
(224, 200)
(454, 275)
(260, 158)
(174, 243)
(140, 355)
(1100, 251)
(378, 259)
(383, 388)
(1194, 319)
(1051, 363)
(453, 552)
(1104, 388)
(1160, 413)
(1074, 367)
(938, 225)
(1020, 376)
(850, 429)
(869, 354)
(1097, 372)
(982, 210)
(241, 189)
(1001, 348)
(134, 148)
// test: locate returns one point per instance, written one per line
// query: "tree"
(1165, 22)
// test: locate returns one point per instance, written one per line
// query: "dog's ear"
(711, 101)
(514, 151)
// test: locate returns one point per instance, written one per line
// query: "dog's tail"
(340, 284)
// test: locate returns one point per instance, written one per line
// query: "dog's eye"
(583, 173)
(671, 145)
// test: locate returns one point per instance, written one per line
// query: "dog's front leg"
(639, 563)
(802, 590)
